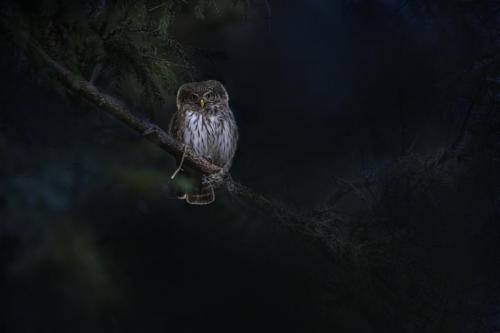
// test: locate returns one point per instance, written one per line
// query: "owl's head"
(205, 97)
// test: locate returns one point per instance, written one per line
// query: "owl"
(205, 123)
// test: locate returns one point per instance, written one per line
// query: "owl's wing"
(234, 136)
(233, 142)
(176, 127)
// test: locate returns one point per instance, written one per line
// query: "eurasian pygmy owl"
(205, 123)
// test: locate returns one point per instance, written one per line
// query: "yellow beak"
(202, 103)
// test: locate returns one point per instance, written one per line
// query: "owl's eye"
(193, 98)
(210, 96)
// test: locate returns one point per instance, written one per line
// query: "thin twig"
(161, 5)
(168, 62)
(180, 164)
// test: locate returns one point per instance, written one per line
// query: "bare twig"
(161, 5)
(180, 164)
(169, 63)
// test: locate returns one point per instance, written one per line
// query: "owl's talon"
(214, 179)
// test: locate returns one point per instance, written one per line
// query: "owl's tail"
(203, 196)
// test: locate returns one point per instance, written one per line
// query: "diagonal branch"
(152, 132)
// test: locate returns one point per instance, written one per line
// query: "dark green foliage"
(127, 48)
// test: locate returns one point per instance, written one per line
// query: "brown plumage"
(205, 123)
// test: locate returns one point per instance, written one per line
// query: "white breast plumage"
(201, 133)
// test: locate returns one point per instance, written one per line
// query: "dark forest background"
(379, 119)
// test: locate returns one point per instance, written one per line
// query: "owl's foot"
(214, 179)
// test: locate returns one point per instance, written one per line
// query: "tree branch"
(106, 103)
